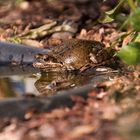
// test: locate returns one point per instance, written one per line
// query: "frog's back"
(75, 53)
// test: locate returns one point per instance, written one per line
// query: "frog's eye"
(94, 50)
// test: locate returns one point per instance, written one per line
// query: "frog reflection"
(53, 82)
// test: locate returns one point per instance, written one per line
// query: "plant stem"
(131, 4)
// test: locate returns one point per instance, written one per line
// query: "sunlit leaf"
(105, 19)
(130, 54)
(111, 11)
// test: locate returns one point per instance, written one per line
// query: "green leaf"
(138, 0)
(130, 53)
(111, 11)
(105, 19)
(135, 19)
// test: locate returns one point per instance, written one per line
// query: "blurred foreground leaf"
(135, 19)
(130, 53)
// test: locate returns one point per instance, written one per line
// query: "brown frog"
(73, 54)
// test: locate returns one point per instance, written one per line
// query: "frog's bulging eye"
(94, 50)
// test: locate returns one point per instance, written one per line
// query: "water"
(19, 81)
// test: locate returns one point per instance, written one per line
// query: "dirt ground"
(112, 112)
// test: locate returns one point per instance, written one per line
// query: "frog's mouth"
(47, 63)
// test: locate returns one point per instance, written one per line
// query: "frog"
(73, 55)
